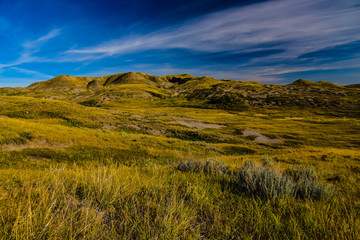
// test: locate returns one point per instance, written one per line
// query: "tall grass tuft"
(210, 166)
(300, 174)
(308, 185)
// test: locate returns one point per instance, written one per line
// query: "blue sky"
(274, 41)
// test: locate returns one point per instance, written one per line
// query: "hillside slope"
(195, 91)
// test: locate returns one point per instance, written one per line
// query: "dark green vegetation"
(137, 156)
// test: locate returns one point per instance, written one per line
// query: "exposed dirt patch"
(109, 126)
(261, 138)
(155, 132)
(197, 124)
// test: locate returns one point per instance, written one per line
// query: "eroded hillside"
(185, 89)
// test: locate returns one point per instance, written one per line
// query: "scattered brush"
(264, 181)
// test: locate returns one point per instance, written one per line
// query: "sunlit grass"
(69, 171)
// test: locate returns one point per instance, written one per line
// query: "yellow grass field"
(140, 161)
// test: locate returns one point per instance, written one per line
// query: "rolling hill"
(203, 91)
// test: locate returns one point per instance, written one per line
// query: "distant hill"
(354, 85)
(303, 82)
(195, 91)
(70, 83)
(61, 83)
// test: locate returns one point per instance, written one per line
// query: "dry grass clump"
(210, 166)
(269, 183)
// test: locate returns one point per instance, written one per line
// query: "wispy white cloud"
(294, 27)
(35, 44)
(27, 55)
(297, 26)
(32, 73)
(32, 47)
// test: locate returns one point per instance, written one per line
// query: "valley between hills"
(137, 156)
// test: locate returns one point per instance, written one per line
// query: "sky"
(268, 41)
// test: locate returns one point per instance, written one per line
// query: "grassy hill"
(205, 92)
(136, 156)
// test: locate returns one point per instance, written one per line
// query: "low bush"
(90, 103)
(263, 182)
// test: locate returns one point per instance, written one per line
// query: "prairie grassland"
(136, 169)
